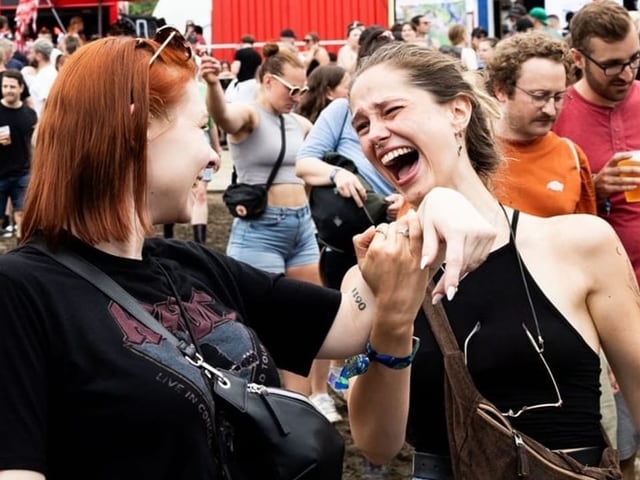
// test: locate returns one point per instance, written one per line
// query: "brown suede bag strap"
(482, 443)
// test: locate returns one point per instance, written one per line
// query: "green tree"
(144, 7)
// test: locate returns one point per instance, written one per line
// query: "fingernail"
(451, 292)
(423, 262)
(436, 298)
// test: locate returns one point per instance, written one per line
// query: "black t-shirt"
(249, 60)
(90, 392)
(15, 158)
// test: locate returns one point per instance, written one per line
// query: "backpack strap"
(572, 146)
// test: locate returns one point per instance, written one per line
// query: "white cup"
(5, 135)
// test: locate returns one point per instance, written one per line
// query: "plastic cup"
(5, 135)
(631, 195)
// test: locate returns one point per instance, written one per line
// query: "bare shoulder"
(571, 236)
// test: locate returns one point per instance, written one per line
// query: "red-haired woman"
(88, 391)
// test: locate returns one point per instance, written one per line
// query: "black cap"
(523, 24)
(287, 33)
(517, 10)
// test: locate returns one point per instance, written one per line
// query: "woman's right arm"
(323, 138)
(451, 231)
(20, 475)
(233, 118)
(346, 60)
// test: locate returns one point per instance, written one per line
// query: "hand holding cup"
(5, 135)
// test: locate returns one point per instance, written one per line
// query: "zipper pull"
(521, 455)
(263, 392)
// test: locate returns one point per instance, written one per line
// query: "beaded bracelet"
(359, 364)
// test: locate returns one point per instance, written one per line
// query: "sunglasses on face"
(171, 37)
(293, 89)
(307, 40)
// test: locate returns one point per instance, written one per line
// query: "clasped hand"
(400, 258)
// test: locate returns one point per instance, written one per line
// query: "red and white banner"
(26, 12)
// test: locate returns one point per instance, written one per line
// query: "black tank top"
(504, 364)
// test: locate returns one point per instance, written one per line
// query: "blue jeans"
(279, 239)
(13, 188)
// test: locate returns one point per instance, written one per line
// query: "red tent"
(101, 11)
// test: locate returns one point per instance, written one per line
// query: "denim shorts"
(628, 436)
(13, 188)
(280, 239)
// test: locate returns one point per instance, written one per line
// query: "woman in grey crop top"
(283, 239)
(423, 126)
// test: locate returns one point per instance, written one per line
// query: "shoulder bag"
(338, 218)
(482, 442)
(274, 434)
(248, 201)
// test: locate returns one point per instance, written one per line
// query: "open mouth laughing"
(400, 161)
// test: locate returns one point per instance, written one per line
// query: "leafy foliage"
(142, 7)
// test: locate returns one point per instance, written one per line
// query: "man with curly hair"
(543, 174)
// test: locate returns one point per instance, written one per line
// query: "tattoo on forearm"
(358, 298)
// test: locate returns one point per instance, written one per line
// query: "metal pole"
(100, 18)
(55, 14)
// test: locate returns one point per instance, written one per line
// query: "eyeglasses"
(613, 69)
(170, 36)
(540, 99)
(539, 350)
(293, 89)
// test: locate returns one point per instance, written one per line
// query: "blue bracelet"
(359, 364)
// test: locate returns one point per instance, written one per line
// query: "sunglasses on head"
(293, 89)
(169, 36)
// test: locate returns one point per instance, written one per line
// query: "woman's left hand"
(450, 221)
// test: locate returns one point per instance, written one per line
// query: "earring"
(458, 136)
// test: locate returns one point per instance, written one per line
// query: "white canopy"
(177, 13)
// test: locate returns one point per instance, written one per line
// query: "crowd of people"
(500, 162)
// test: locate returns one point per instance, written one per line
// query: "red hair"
(89, 169)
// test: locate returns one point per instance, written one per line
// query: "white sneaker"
(325, 404)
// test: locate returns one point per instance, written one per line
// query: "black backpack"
(338, 218)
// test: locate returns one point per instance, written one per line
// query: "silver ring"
(382, 232)
(404, 232)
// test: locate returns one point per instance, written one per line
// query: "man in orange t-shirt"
(543, 174)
